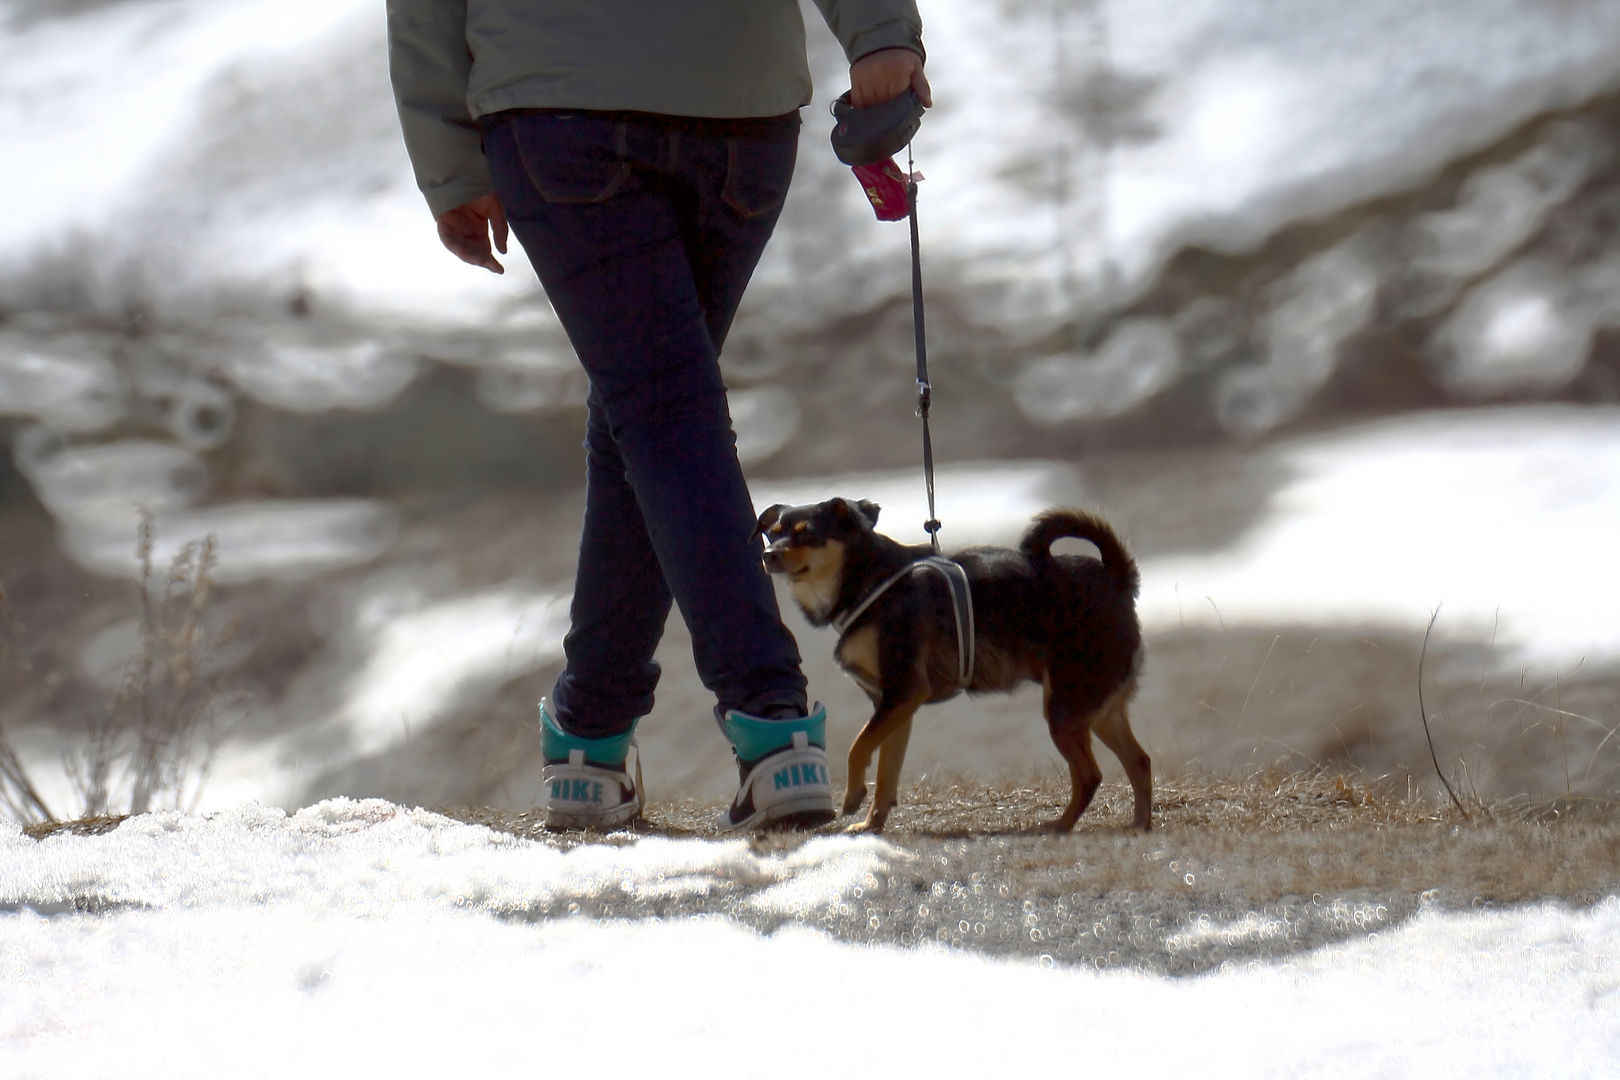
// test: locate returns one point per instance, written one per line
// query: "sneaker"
(783, 765)
(584, 784)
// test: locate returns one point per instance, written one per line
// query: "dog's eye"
(803, 526)
(778, 529)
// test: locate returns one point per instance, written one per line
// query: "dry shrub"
(159, 735)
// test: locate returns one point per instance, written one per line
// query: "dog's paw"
(871, 826)
(853, 799)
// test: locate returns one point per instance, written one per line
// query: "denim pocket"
(573, 157)
(758, 172)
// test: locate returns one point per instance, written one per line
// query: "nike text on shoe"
(584, 784)
(783, 763)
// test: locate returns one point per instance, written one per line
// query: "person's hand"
(879, 76)
(465, 231)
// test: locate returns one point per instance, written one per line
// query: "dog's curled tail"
(1052, 525)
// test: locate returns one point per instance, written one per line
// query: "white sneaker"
(786, 786)
(578, 795)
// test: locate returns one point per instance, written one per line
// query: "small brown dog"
(1067, 622)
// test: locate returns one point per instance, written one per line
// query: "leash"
(865, 139)
(925, 390)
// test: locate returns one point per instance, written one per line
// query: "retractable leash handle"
(866, 140)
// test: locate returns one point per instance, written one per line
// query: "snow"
(254, 144)
(98, 492)
(362, 938)
(1509, 517)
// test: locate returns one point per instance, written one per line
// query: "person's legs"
(620, 601)
(612, 231)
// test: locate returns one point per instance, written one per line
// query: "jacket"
(455, 61)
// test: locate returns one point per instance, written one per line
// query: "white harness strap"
(961, 604)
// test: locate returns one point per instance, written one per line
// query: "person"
(641, 151)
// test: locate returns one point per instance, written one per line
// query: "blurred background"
(1320, 302)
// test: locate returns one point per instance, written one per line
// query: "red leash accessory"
(885, 186)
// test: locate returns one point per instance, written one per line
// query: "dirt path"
(1234, 871)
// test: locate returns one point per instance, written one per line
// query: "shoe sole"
(557, 820)
(809, 812)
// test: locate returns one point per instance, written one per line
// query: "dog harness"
(961, 603)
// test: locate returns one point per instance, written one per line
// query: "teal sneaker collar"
(756, 738)
(556, 744)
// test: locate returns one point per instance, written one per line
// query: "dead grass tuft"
(157, 737)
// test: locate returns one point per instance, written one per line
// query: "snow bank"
(358, 938)
(254, 144)
(1509, 517)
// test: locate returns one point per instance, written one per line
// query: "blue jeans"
(644, 231)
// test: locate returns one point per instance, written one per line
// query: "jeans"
(644, 231)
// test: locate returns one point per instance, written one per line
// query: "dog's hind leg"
(1070, 725)
(1113, 727)
(891, 755)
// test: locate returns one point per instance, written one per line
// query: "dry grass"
(155, 741)
(1237, 869)
(159, 727)
(1260, 837)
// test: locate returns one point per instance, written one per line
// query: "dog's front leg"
(891, 716)
(891, 755)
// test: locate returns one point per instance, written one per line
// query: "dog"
(1067, 622)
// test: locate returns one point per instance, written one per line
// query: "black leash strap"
(925, 391)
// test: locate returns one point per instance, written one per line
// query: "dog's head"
(808, 544)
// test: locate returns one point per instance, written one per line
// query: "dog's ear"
(770, 517)
(858, 515)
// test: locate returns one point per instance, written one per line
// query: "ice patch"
(1502, 206)
(308, 377)
(1314, 310)
(110, 479)
(421, 660)
(98, 493)
(1515, 333)
(1138, 360)
(540, 381)
(65, 384)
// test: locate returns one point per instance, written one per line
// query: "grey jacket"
(453, 61)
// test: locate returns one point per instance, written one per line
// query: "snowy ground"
(359, 938)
